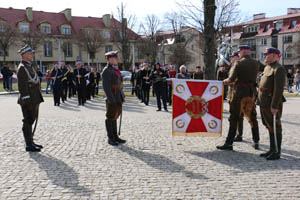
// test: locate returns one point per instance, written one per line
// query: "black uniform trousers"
(30, 114)
(145, 94)
(113, 111)
(57, 93)
(81, 94)
(64, 90)
(161, 93)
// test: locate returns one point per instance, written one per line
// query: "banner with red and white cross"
(197, 107)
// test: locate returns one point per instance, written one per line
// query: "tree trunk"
(209, 38)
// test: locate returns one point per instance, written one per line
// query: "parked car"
(126, 75)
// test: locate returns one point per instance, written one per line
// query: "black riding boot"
(229, 140)
(115, 131)
(110, 132)
(272, 146)
(255, 137)
(27, 132)
(276, 155)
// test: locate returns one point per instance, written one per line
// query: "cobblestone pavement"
(77, 162)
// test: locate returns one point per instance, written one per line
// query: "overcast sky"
(141, 8)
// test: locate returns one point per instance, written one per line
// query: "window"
(46, 29)
(267, 27)
(288, 39)
(288, 53)
(108, 48)
(2, 53)
(264, 42)
(278, 26)
(2, 29)
(48, 49)
(68, 49)
(107, 34)
(262, 56)
(293, 24)
(253, 55)
(24, 28)
(66, 31)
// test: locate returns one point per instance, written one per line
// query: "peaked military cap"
(272, 50)
(25, 49)
(234, 53)
(111, 54)
(244, 47)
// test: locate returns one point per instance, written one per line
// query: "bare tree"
(209, 38)
(148, 44)
(90, 39)
(227, 13)
(123, 34)
(8, 35)
(66, 44)
(33, 38)
(296, 48)
(182, 36)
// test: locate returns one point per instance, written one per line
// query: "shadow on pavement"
(247, 162)
(60, 173)
(160, 162)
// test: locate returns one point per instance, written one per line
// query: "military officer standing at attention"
(112, 85)
(30, 96)
(270, 100)
(244, 74)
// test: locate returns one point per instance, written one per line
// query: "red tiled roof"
(269, 19)
(13, 16)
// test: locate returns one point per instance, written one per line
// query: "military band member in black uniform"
(159, 78)
(145, 80)
(112, 85)
(79, 74)
(56, 76)
(30, 96)
(64, 90)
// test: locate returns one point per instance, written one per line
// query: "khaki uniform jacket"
(29, 92)
(244, 73)
(272, 82)
(112, 85)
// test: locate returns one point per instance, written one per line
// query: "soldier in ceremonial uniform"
(198, 75)
(270, 100)
(56, 76)
(243, 75)
(145, 77)
(30, 97)
(79, 74)
(112, 85)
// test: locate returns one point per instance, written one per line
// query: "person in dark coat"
(158, 76)
(30, 96)
(4, 72)
(71, 83)
(145, 78)
(198, 75)
(112, 85)
(64, 89)
(56, 76)
(79, 74)
(183, 73)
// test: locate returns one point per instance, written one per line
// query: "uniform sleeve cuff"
(26, 97)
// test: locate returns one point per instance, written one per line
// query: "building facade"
(193, 43)
(59, 32)
(282, 32)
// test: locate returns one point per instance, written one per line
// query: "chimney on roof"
(106, 20)
(68, 14)
(293, 10)
(124, 22)
(259, 16)
(29, 14)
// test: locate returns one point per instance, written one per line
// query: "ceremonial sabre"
(275, 135)
(120, 123)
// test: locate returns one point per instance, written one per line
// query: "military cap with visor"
(25, 49)
(272, 50)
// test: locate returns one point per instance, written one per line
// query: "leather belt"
(266, 90)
